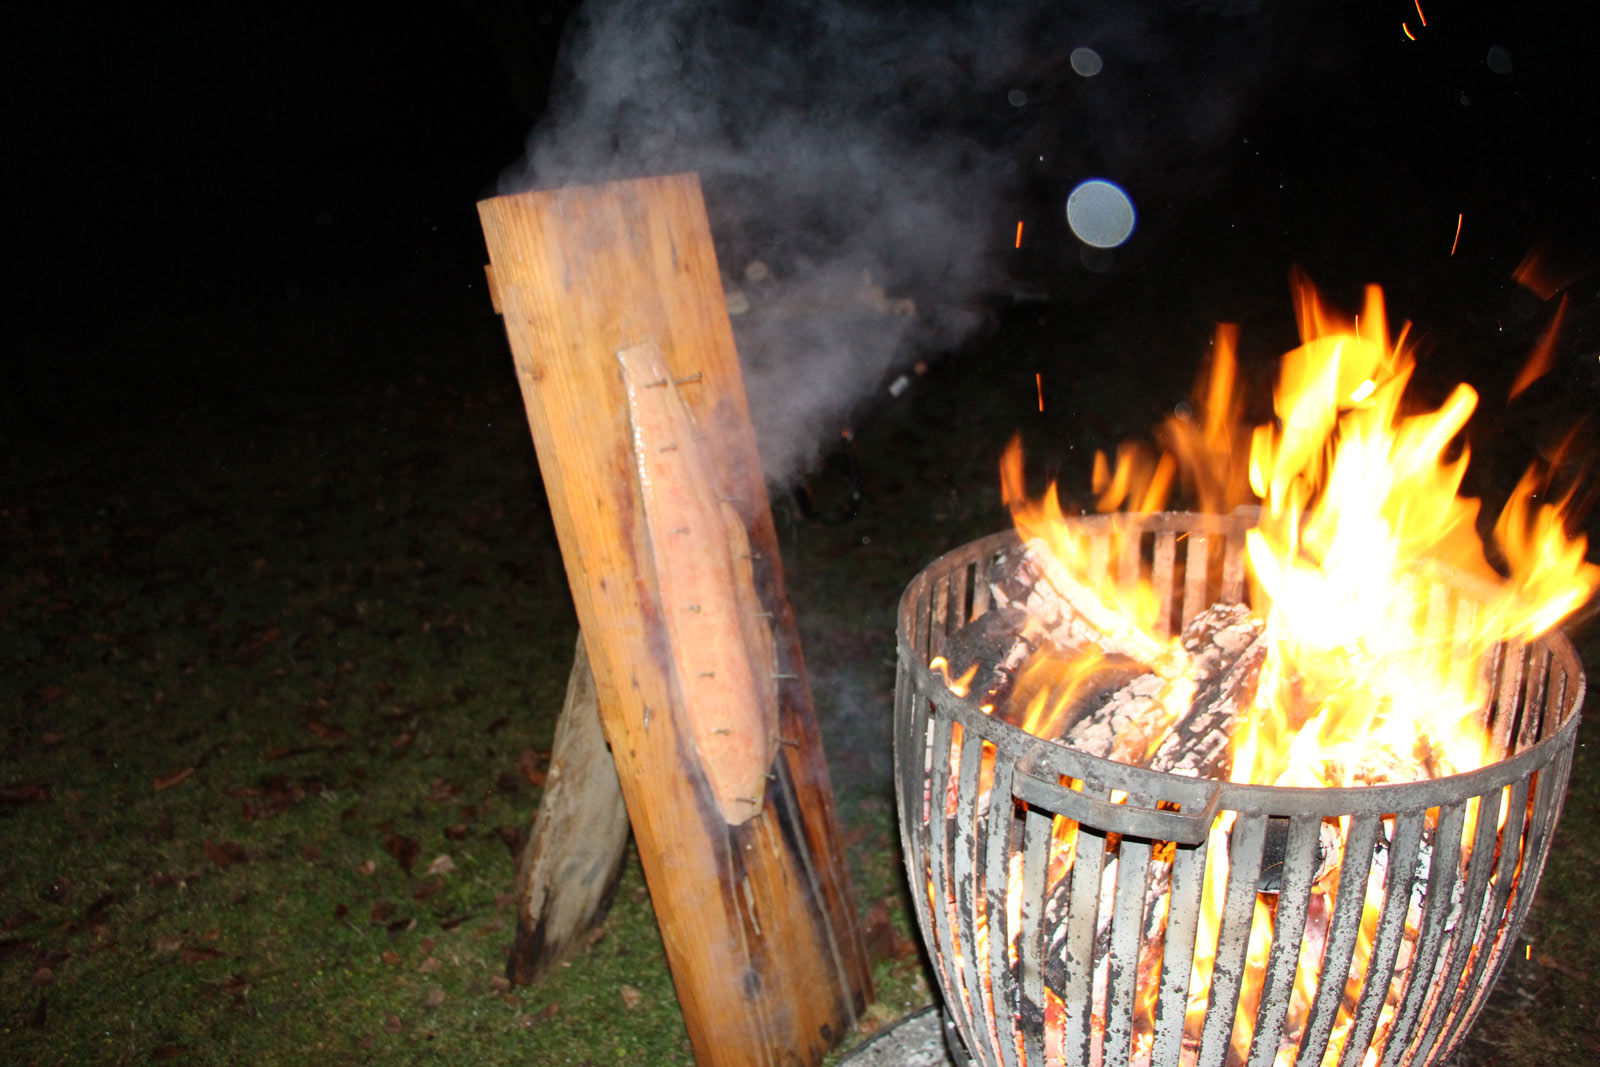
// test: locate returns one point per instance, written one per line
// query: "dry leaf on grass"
(170, 780)
(528, 767)
(19, 919)
(325, 731)
(632, 996)
(442, 864)
(225, 853)
(403, 849)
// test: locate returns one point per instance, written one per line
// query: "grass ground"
(279, 676)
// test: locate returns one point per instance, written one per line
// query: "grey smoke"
(862, 162)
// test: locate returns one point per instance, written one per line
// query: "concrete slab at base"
(915, 1041)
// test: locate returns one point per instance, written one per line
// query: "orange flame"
(1543, 355)
(1360, 517)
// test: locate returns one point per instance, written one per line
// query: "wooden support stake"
(756, 915)
(569, 870)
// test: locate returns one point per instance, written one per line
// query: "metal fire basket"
(1031, 970)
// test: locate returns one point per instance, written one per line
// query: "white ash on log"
(1156, 719)
(1069, 612)
(1014, 662)
(1226, 653)
(1122, 709)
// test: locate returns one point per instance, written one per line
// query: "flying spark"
(1019, 233)
(1420, 15)
(1407, 30)
(1458, 235)
(1038, 383)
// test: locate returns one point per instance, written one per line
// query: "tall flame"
(1360, 515)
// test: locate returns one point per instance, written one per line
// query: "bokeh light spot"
(1101, 214)
(1499, 60)
(1086, 61)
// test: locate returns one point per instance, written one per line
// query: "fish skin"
(722, 651)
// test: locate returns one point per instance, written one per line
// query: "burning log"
(1226, 655)
(1068, 612)
(1182, 722)
(1136, 702)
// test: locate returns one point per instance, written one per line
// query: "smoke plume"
(862, 162)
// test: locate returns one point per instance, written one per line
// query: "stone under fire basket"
(1063, 897)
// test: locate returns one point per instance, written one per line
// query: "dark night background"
(252, 381)
(221, 205)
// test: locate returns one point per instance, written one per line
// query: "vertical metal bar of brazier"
(1232, 591)
(1161, 567)
(997, 886)
(1443, 874)
(1129, 565)
(1479, 866)
(1195, 577)
(981, 594)
(1083, 917)
(964, 871)
(1245, 844)
(1343, 929)
(1289, 925)
(1177, 957)
(939, 618)
(1127, 929)
(939, 829)
(1030, 948)
(1391, 931)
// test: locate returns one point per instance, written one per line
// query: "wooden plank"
(756, 916)
(569, 870)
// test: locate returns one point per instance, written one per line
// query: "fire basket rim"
(1056, 758)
